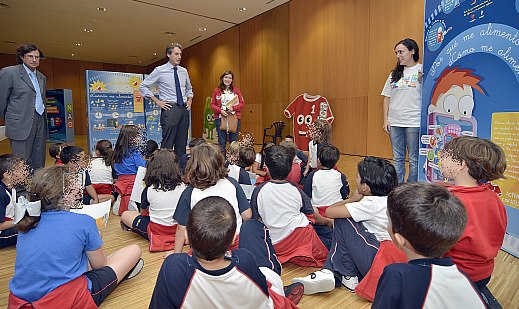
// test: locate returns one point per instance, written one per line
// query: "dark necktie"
(180, 100)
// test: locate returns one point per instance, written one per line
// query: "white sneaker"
(317, 282)
(350, 282)
(135, 270)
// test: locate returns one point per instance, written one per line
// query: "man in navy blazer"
(22, 106)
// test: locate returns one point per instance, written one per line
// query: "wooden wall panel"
(350, 126)
(194, 61)
(275, 66)
(307, 52)
(67, 76)
(251, 76)
(388, 24)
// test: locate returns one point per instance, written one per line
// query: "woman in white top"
(402, 104)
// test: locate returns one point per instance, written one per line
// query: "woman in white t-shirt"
(402, 103)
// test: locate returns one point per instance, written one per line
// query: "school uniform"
(326, 187)
(126, 172)
(8, 236)
(426, 283)
(239, 174)
(286, 211)
(101, 176)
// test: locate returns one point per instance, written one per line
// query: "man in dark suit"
(22, 106)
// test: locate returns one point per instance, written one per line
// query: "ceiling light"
(202, 29)
(140, 62)
(242, 9)
(101, 9)
(4, 6)
(154, 54)
(133, 56)
(169, 33)
(88, 30)
(10, 42)
(73, 55)
(79, 44)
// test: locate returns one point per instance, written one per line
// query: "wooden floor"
(136, 293)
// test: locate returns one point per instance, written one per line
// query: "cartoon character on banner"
(449, 115)
(209, 125)
(304, 110)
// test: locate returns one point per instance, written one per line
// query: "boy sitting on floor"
(425, 221)
(287, 212)
(358, 228)
(213, 277)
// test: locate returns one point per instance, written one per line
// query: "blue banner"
(60, 115)
(471, 86)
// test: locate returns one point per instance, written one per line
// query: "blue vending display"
(60, 115)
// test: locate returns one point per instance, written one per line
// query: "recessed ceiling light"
(140, 62)
(242, 9)
(73, 55)
(88, 30)
(169, 33)
(101, 9)
(154, 54)
(202, 29)
(133, 56)
(79, 44)
(4, 6)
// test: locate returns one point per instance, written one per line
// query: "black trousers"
(33, 149)
(175, 125)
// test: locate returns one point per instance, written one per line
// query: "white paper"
(100, 212)
(138, 185)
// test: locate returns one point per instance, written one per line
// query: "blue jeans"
(222, 135)
(402, 138)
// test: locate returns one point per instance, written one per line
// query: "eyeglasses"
(32, 57)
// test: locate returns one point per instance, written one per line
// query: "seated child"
(207, 176)
(127, 158)
(246, 156)
(212, 277)
(182, 161)
(101, 172)
(286, 211)
(301, 157)
(320, 132)
(326, 186)
(164, 186)
(55, 150)
(425, 221)
(56, 248)
(259, 167)
(468, 160)
(233, 155)
(151, 146)
(358, 228)
(295, 173)
(74, 157)
(13, 173)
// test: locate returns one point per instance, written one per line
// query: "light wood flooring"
(136, 293)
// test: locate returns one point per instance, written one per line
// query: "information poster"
(153, 128)
(113, 100)
(60, 115)
(470, 88)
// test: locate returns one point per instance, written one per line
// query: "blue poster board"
(153, 128)
(60, 115)
(113, 100)
(471, 86)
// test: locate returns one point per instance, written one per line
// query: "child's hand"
(356, 196)
(329, 223)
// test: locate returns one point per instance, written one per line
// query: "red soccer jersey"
(304, 110)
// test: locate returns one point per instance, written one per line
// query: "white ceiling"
(129, 32)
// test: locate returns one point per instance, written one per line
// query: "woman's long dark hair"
(104, 147)
(398, 71)
(222, 85)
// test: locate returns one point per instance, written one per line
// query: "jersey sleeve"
(345, 189)
(325, 111)
(144, 199)
(88, 181)
(362, 210)
(388, 295)
(243, 202)
(172, 282)
(183, 207)
(254, 201)
(93, 239)
(306, 207)
(308, 184)
(291, 108)
(244, 177)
